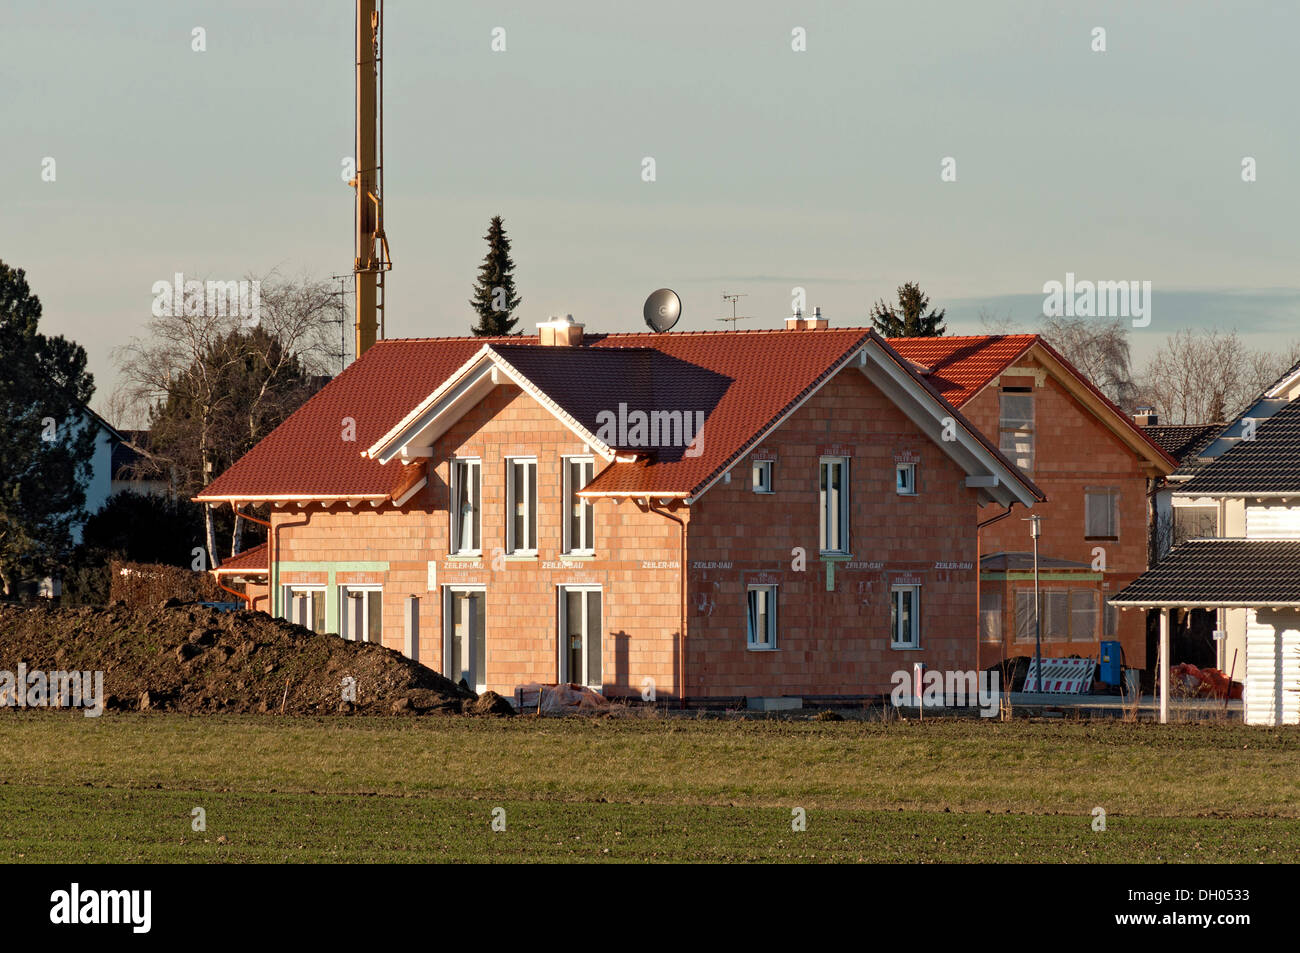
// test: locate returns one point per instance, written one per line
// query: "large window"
(761, 617)
(905, 617)
(834, 489)
(1195, 522)
(580, 635)
(521, 507)
(1101, 513)
(305, 605)
(1068, 615)
(361, 615)
(1016, 426)
(464, 640)
(579, 532)
(465, 512)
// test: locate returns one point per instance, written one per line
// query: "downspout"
(270, 556)
(248, 600)
(979, 553)
(681, 585)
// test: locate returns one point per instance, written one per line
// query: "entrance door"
(580, 635)
(464, 644)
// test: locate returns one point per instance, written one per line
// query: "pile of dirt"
(193, 659)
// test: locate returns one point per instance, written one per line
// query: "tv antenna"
(733, 298)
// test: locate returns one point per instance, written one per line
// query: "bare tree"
(1210, 376)
(212, 384)
(1099, 349)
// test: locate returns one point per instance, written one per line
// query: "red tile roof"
(743, 381)
(250, 562)
(960, 367)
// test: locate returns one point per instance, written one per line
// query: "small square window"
(905, 479)
(762, 476)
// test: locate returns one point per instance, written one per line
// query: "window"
(1016, 426)
(361, 617)
(905, 479)
(834, 528)
(580, 635)
(905, 617)
(579, 535)
(521, 514)
(1083, 615)
(465, 512)
(1068, 615)
(305, 605)
(1195, 522)
(991, 616)
(762, 476)
(761, 618)
(1109, 620)
(464, 645)
(1101, 513)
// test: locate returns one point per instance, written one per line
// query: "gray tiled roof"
(1181, 441)
(1270, 463)
(1220, 572)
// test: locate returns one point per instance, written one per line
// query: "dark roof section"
(1269, 464)
(129, 463)
(1182, 441)
(1024, 562)
(1208, 573)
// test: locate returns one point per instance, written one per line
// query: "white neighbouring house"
(1243, 488)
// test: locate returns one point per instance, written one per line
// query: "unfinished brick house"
(717, 515)
(1097, 468)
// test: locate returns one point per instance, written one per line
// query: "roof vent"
(560, 332)
(798, 322)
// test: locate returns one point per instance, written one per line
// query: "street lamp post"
(1035, 531)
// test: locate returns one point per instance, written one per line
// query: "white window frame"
(317, 591)
(896, 615)
(586, 515)
(768, 643)
(908, 488)
(760, 476)
(449, 593)
(824, 505)
(561, 632)
(530, 507)
(356, 592)
(456, 545)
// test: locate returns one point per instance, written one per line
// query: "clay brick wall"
(833, 642)
(1073, 451)
(640, 605)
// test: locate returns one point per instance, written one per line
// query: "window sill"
(464, 557)
(834, 556)
(586, 554)
(1101, 539)
(765, 492)
(904, 648)
(520, 557)
(761, 648)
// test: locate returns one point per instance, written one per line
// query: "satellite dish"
(662, 310)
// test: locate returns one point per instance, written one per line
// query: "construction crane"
(371, 260)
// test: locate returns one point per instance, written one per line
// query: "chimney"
(797, 321)
(1146, 417)
(560, 332)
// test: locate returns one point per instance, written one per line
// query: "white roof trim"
(412, 491)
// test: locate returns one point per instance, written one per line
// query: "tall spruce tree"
(47, 438)
(909, 319)
(494, 298)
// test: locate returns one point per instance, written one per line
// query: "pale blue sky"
(775, 168)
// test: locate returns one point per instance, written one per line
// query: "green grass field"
(122, 788)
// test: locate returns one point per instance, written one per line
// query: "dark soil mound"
(195, 659)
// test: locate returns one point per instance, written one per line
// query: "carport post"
(1164, 666)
